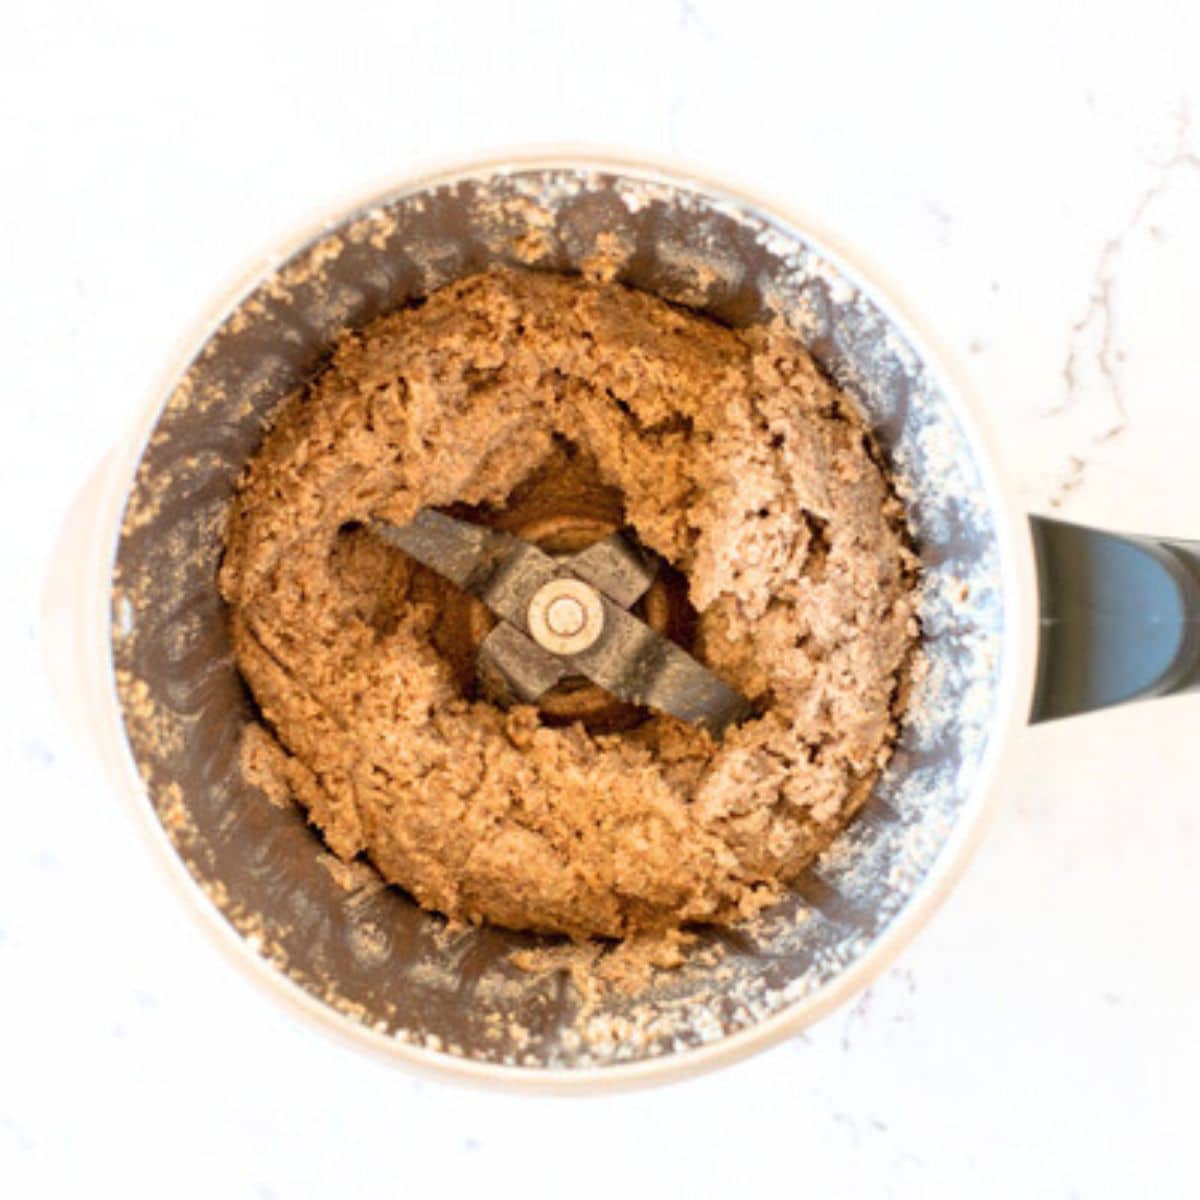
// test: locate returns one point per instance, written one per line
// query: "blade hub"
(565, 616)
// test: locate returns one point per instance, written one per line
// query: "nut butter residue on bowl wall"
(738, 463)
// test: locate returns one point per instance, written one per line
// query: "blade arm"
(620, 570)
(636, 664)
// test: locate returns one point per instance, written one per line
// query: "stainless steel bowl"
(364, 958)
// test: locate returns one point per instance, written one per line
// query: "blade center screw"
(565, 616)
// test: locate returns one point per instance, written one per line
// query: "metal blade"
(628, 658)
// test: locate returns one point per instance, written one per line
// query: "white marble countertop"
(1030, 173)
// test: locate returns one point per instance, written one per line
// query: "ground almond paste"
(729, 454)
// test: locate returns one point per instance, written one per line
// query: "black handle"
(1120, 618)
